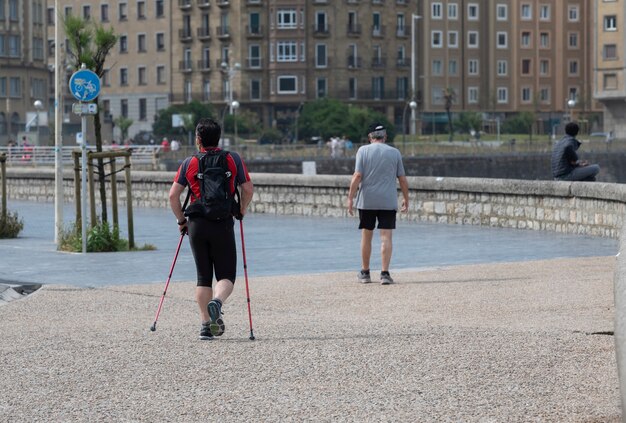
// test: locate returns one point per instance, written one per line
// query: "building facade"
(497, 57)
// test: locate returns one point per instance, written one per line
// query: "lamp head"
(571, 102)
(413, 105)
(38, 104)
(235, 104)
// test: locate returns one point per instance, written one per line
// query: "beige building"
(609, 59)
(270, 56)
(23, 72)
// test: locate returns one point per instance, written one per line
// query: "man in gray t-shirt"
(378, 165)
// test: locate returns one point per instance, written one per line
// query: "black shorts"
(213, 246)
(386, 219)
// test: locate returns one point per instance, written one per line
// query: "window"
(544, 40)
(378, 87)
(472, 12)
(206, 90)
(15, 87)
(286, 51)
(160, 41)
(321, 88)
(526, 94)
(123, 76)
(15, 46)
(526, 65)
(37, 48)
(472, 67)
(400, 25)
(255, 89)
(68, 12)
(472, 39)
(160, 74)
(502, 95)
(472, 95)
(502, 41)
(320, 56)
(141, 43)
(609, 52)
(141, 10)
(573, 67)
(206, 58)
(106, 79)
(573, 40)
(376, 24)
(255, 56)
(352, 90)
(502, 67)
(13, 10)
(437, 67)
(544, 95)
(143, 109)
(3, 90)
(453, 67)
(436, 40)
(287, 85)
(436, 11)
(453, 11)
(610, 23)
(544, 67)
(526, 39)
(50, 17)
(124, 107)
(526, 12)
(104, 12)
(544, 12)
(572, 13)
(86, 12)
(123, 43)
(502, 12)
(141, 75)
(123, 11)
(160, 8)
(453, 39)
(286, 19)
(610, 81)
(402, 87)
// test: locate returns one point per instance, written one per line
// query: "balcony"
(354, 30)
(402, 33)
(223, 32)
(185, 66)
(254, 2)
(184, 4)
(379, 62)
(403, 62)
(204, 65)
(223, 3)
(254, 63)
(185, 35)
(203, 33)
(354, 62)
(378, 31)
(321, 31)
(204, 4)
(254, 31)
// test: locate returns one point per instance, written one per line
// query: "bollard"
(3, 176)
(619, 293)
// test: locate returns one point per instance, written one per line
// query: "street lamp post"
(413, 105)
(229, 72)
(234, 105)
(413, 70)
(571, 103)
(38, 106)
(58, 141)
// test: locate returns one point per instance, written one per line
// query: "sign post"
(84, 86)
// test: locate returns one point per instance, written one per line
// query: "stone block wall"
(570, 207)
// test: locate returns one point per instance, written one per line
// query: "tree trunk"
(103, 194)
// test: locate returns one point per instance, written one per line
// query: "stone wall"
(570, 207)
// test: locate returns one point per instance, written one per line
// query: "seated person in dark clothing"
(565, 163)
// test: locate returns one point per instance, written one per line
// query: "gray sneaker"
(385, 278)
(216, 323)
(364, 276)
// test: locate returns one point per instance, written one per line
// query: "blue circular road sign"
(85, 85)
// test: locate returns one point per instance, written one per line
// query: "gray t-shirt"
(379, 165)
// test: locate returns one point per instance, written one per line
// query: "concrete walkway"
(514, 342)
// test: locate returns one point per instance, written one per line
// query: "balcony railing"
(254, 63)
(185, 65)
(354, 29)
(378, 31)
(379, 62)
(321, 30)
(203, 33)
(185, 34)
(254, 30)
(203, 4)
(223, 32)
(184, 4)
(403, 62)
(204, 64)
(354, 62)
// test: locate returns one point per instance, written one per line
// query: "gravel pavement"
(514, 342)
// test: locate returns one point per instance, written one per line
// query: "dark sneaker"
(385, 278)
(205, 332)
(215, 313)
(364, 276)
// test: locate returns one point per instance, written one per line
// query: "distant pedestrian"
(211, 237)
(378, 165)
(165, 145)
(175, 145)
(565, 163)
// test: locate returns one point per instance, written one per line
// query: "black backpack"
(216, 202)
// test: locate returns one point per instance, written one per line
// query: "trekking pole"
(245, 272)
(153, 327)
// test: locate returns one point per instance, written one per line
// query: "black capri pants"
(213, 246)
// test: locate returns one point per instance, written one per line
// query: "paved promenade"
(512, 342)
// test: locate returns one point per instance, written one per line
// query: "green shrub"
(100, 239)
(10, 225)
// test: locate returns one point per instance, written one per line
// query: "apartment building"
(270, 56)
(23, 69)
(609, 59)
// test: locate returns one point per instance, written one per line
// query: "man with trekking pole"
(212, 177)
